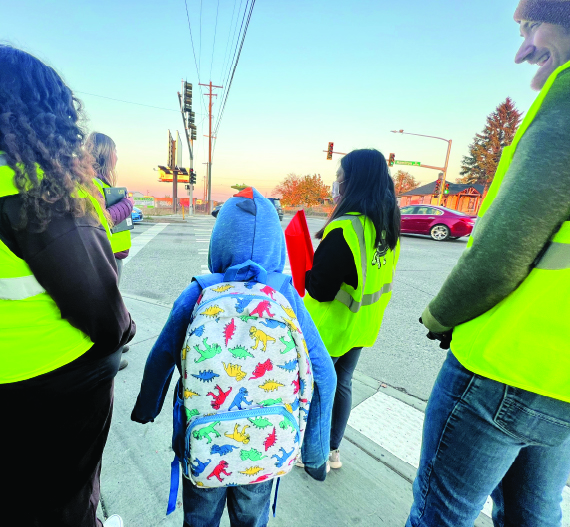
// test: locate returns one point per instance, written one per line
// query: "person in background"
(62, 319)
(104, 152)
(498, 418)
(350, 283)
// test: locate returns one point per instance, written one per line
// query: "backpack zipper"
(243, 414)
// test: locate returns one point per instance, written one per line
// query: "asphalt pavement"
(392, 382)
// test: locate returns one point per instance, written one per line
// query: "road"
(166, 257)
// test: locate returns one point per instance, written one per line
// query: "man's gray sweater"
(532, 203)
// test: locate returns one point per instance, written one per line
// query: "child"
(247, 229)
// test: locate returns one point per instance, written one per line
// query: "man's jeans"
(483, 437)
(248, 505)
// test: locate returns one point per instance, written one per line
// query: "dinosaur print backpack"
(246, 386)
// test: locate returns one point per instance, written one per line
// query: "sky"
(310, 72)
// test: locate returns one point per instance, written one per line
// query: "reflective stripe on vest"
(524, 340)
(367, 300)
(354, 317)
(555, 258)
(120, 241)
(19, 288)
(34, 338)
(343, 296)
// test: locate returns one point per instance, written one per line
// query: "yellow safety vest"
(524, 341)
(354, 317)
(120, 241)
(34, 338)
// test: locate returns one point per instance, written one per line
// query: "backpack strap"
(238, 273)
(174, 484)
(279, 281)
(175, 464)
(208, 280)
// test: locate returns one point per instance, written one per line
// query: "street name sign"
(408, 163)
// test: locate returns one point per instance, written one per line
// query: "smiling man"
(498, 418)
(545, 27)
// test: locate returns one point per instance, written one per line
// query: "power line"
(234, 69)
(194, 55)
(127, 102)
(200, 52)
(192, 40)
(227, 75)
(214, 45)
(230, 39)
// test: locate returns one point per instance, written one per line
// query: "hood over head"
(247, 228)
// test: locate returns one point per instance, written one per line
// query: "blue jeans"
(483, 437)
(344, 367)
(248, 505)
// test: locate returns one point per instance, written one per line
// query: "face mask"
(335, 191)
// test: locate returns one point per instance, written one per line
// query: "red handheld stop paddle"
(300, 250)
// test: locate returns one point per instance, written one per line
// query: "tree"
(302, 190)
(480, 165)
(313, 190)
(289, 190)
(404, 181)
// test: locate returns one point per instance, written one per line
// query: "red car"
(439, 222)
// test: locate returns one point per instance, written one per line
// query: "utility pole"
(209, 136)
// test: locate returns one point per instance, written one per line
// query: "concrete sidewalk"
(372, 488)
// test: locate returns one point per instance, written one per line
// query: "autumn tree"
(404, 182)
(480, 165)
(313, 190)
(302, 190)
(289, 190)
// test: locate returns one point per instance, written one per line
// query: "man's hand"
(444, 338)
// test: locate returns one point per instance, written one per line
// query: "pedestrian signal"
(391, 160)
(187, 97)
(330, 151)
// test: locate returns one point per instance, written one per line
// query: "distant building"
(463, 198)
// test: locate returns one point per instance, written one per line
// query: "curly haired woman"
(62, 318)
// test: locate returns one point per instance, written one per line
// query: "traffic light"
(391, 160)
(192, 177)
(437, 188)
(447, 188)
(191, 120)
(187, 97)
(330, 151)
(193, 134)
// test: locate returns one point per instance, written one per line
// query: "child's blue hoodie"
(247, 228)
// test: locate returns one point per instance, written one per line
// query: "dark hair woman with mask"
(62, 318)
(350, 283)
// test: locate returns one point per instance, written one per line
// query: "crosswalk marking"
(142, 239)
